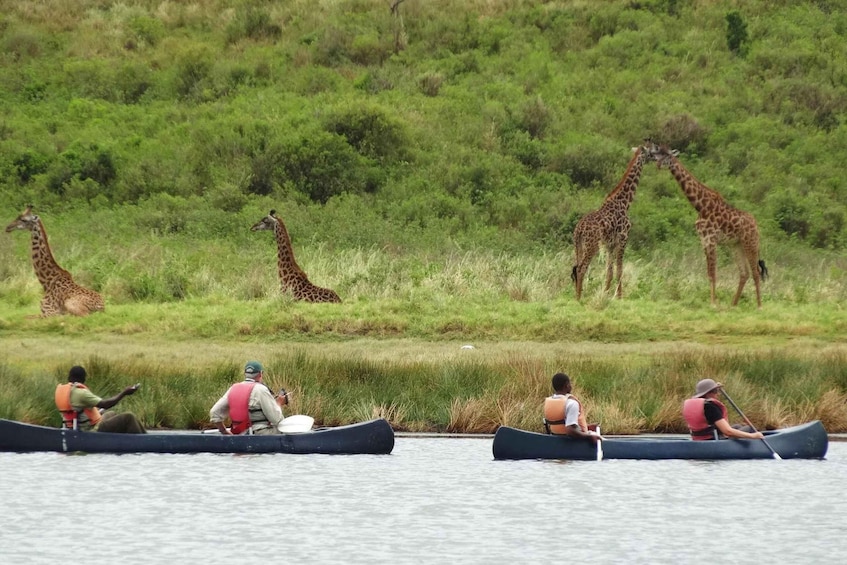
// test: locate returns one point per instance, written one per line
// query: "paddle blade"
(296, 424)
(599, 444)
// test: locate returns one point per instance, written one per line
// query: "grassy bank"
(426, 386)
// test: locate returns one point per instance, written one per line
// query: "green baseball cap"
(253, 368)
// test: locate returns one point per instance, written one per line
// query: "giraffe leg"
(743, 274)
(590, 250)
(77, 306)
(711, 270)
(611, 253)
(619, 267)
(50, 306)
(751, 258)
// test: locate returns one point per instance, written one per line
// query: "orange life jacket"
(71, 417)
(694, 412)
(239, 406)
(554, 414)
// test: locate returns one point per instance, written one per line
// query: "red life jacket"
(554, 414)
(239, 406)
(694, 412)
(71, 417)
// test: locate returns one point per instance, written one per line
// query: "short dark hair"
(560, 381)
(76, 374)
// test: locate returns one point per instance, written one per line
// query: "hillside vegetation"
(431, 159)
(445, 122)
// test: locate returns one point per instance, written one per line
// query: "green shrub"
(737, 38)
(371, 131)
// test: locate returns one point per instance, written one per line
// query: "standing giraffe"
(291, 276)
(717, 223)
(608, 226)
(61, 294)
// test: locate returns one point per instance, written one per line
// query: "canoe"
(806, 441)
(373, 437)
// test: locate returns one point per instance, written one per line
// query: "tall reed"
(477, 394)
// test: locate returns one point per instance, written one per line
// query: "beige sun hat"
(705, 386)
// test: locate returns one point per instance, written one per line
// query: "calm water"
(434, 500)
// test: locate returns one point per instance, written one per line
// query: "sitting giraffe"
(608, 226)
(717, 223)
(291, 276)
(61, 294)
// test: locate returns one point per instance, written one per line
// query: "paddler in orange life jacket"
(250, 405)
(563, 413)
(80, 408)
(706, 416)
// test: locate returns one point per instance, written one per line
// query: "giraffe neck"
(289, 270)
(624, 193)
(46, 268)
(700, 195)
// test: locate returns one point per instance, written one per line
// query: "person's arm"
(572, 427)
(219, 412)
(574, 431)
(270, 405)
(723, 427)
(106, 403)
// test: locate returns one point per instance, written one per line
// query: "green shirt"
(82, 398)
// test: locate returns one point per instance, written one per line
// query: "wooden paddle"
(749, 423)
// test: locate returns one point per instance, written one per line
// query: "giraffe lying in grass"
(291, 276)
(61, 294)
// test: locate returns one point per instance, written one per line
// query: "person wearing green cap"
(250, 405)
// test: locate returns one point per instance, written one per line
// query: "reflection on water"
(434, 500)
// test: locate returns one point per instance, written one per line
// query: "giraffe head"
(23, 222)
(662, 154)
(266, 223)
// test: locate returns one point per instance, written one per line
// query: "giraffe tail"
(763, 270)
(573, 274)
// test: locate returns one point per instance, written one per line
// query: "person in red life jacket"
(80, 408)
(706, 416)
(563, 413)
(250, 405)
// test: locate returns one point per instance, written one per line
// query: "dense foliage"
(435, 123)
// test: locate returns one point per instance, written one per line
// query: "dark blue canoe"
(373, 437)
(806, 441)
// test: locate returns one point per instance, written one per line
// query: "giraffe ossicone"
(291, 277)
(61, 294)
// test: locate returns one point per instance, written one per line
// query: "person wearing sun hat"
(706, 416)
(250, 405)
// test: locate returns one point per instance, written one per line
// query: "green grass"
(434, 184)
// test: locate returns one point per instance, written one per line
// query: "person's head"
(77, 374)
(707, 388)
(561, 383)
(253, 370)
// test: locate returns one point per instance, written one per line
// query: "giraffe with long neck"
(291, 276)
(718, 223)
(61, 294)
(608, 226)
